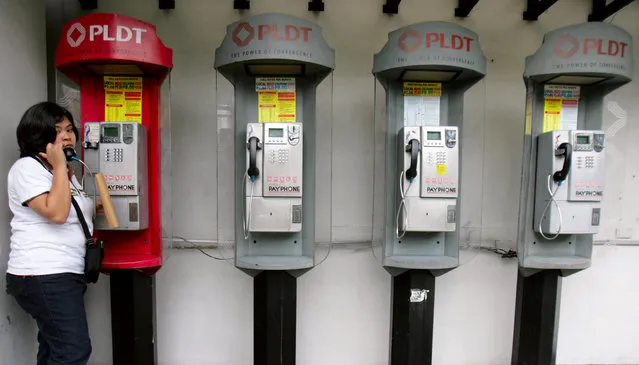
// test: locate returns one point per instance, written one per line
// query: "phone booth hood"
(453, 50)
(127, 45)
(97, 52)
(426, 74)
(274, 39)
(596, 52)
(274, 74)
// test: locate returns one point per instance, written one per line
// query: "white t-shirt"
(38, 246)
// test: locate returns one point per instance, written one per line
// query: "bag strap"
(78, 211)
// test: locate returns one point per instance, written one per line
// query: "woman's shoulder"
(24, 163)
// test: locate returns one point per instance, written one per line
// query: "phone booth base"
(563, 173)
(537, 318)
(119, 91)
(133, 318)
(413, 316)
(275, 316)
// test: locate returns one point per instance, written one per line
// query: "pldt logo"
(566, 46)
(82, 33)
(243, 34)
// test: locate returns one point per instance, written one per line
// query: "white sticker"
(91, 135)
(418, 295)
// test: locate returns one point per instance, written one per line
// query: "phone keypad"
(114, 155)
(278, 157)
(438, 158)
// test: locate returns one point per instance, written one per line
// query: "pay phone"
(273, 179)
(118, 151)
(570, 176)
(429, 177)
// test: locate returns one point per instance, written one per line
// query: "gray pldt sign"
(431, 45)
(274, 36)
(590, 48)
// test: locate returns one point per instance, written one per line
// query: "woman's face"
(65, 135)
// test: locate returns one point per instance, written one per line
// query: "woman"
(46, 264)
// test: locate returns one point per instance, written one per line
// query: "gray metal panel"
(275, 39)
(432, 46)
(125, 169)
(593, 48)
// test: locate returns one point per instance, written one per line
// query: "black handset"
(413, 148)
(564, 149)
(253, 171)
(69, 153)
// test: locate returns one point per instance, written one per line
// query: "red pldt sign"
(102, 36)
(244, 33)
(567, 46)
(411, 39)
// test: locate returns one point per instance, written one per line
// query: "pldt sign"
(77, 34)
(568, 45)
(244, 33)
(411, 40)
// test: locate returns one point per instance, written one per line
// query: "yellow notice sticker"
(276, 99)
(441, 169)
(122, 99)
(422, 89)
(552, 114)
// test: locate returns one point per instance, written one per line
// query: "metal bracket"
(88, 4)
(464, 7)
(391, 7)
(316, 5)
(166, 4)
(601, 10)
(242, 4)
(536, 8)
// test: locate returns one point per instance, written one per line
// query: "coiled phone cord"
(543, 214)
(402, 205)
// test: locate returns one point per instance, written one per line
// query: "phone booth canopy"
(274, 142)
(563, 173)
(112, 74)
(423, 73)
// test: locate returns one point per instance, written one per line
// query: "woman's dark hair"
(37, 127)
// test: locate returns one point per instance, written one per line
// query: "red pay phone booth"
(119, 70)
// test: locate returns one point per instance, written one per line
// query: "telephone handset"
(564, 149)
(70, 155)
(428, 158)
(273, 178)
(570, 176)
(413, 148)
(253, 146)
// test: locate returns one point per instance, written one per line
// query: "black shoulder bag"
(94, 250)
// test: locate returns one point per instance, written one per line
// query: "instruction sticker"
(441, 169)
(561, 106)
(122, 99)
(422, 103)
(276, 99)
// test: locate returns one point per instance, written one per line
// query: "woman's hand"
(55, 156)
(99, 208)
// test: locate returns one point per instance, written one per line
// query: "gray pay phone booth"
(425, 70)
(274, 164)
(563, 176)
